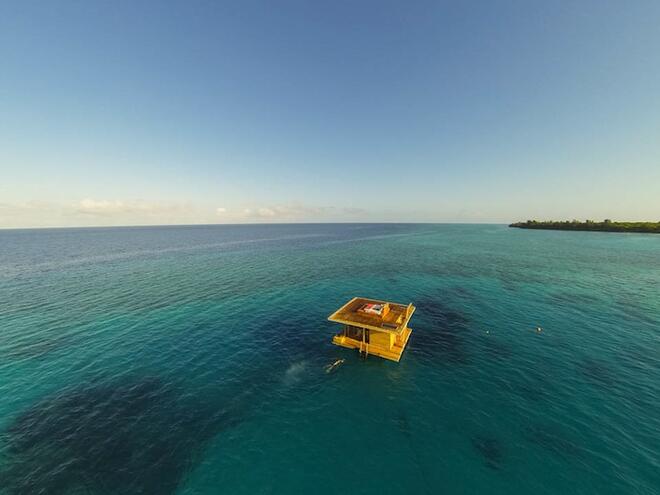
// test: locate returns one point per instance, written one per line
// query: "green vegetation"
(604, 226)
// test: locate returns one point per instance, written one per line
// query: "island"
(589, 225)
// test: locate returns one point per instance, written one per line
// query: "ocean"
(191, 360)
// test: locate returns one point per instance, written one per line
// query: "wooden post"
(364, 342)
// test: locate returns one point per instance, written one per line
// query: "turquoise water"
(191, 360)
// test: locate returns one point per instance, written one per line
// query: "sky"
(143, 113)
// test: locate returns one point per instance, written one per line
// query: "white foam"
(294, 372)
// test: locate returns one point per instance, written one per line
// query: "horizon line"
(240, 224)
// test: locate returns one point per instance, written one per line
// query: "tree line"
(606, 225)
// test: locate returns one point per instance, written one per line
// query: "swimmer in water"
(331, 367)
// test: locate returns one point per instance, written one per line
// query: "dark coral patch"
(552, 440)
(291, 334)
(490, 450)
(572, 298)
(439, 343)
(462, 291)
(533, 385)
(129, 437)
(404, 424)
(37, 348)
(495, 349)
(440, 332)
(442, 314)
(597, 371)
(531, 392)
(639, 358)
(630, 307)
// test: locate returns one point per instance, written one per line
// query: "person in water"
(332, 366)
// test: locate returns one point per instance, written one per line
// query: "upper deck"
(394, 317)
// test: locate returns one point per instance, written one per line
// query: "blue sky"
(116, 113)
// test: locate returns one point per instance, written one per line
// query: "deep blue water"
(191, 360)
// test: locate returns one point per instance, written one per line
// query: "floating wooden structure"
(374, 327)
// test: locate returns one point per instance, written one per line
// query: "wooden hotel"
(374, 327)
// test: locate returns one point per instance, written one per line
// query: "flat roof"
(395, 321)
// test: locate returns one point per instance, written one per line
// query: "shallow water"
(192, 360)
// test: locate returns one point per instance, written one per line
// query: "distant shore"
(590, 225)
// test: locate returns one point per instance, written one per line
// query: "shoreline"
(591, 226)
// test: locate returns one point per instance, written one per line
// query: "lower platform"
(393, 354)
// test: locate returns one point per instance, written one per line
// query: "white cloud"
(102, 212)
(266, 212)
(295, 212)
(110, 212)
(90, 206)
(136, 208)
